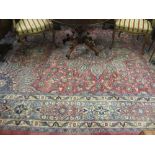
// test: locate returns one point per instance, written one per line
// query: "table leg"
(79, 37)
(113, 38)
(92, 47)
(144, 44)
(152, 55)
(150, 45)
(75, 43)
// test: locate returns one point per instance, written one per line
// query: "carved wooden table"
(79, 33)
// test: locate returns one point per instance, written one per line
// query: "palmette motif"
(43, 91)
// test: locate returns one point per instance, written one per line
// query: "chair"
(25, 27)
(153, 39)
(153, 33)
(133, 26)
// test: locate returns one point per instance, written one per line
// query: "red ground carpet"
(42, 92)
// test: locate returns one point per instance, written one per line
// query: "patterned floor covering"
(43, 92)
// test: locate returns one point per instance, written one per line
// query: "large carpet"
(42, 92)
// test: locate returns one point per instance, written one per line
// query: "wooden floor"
(148, 132)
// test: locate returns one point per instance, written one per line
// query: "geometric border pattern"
(18, 121)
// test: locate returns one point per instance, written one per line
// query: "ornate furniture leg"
(75, 43)
(44, 35)
(92, 47)
(137, 37)
(53, 38)
(150, 45)
(22, 40)
(145, 42)
(152, 55)
(113, 37)
(143, 47)
(119, 34)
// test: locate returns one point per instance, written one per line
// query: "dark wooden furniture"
(80, 35)
(5, 27)
(4, 48)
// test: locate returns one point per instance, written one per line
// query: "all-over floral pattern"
(43, 91)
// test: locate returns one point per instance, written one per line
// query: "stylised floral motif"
(44, 91)
(125, 75)
(5, 83)
(54, 113)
